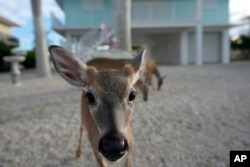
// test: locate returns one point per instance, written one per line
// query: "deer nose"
(113, 147)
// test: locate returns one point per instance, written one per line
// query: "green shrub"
(243, 44)
(30, 61)
(5, 50)
(136, 47)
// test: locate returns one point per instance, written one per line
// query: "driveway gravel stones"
(200, 114)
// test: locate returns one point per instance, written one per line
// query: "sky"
(20, 12)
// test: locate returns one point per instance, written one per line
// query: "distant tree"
(5, 50)
(30, 61)
(243, 44)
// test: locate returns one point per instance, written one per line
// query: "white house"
(173, 31)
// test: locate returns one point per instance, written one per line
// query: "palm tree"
(42, 59)
(122, 24)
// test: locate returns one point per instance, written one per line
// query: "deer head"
(108, 101)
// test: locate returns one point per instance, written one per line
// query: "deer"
(107, 104)
(152, 69)
(107, 63)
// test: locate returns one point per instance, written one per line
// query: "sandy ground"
(199, 116)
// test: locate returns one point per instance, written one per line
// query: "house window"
(93, 5)
(209, 4)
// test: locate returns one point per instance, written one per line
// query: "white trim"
(199, 45)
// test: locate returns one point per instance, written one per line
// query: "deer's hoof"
(78, 153)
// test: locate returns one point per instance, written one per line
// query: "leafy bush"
(136, 47)
(5, 50)
(30, 61)
(243, 44)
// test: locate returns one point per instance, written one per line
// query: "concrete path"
(200, 115)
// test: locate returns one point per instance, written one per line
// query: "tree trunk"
(42, 59)
(122, 24)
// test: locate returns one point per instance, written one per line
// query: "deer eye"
(132, 96)
(90, 98)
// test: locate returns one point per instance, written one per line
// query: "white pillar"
(184, 48)
(199, 45)
(42, 58)
(225, 47)
(199, 34)
(122, 28)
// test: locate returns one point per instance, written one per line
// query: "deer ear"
(70, 67)
(138, 64)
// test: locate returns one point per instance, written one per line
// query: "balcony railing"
(145, 13)
(161, 12)
(87, 20)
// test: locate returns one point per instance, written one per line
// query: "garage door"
(211, 47)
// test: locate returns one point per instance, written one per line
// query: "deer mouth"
(113, 147)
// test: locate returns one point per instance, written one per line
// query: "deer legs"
(143, 88)
(79, 148)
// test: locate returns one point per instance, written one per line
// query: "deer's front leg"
(148, 79)
(129, 158)
(143, 88)
(99, 160)
(79, 148)
(128, 161)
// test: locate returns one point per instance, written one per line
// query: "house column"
(184, 48)
(199, 34)
(225, 47)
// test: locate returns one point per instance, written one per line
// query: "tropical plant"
(242, 43)
(30, 61)
(5, 50)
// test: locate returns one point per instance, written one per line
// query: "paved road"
(201, 114)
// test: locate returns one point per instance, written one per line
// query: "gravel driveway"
(201, 114)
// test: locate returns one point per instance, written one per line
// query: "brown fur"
(152, 69)
(102, 64)
(106, 104)
(113, 91)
